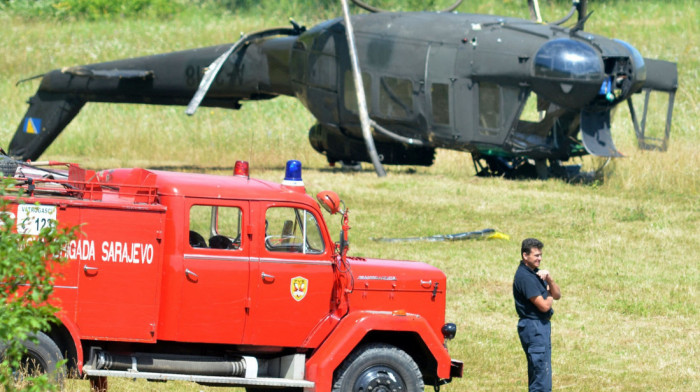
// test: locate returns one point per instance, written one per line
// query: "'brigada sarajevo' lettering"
(126, 252)
(112, 251)
(80, 250)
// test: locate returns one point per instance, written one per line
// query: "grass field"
(624, 251)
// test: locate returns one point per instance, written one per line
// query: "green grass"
(624, 251)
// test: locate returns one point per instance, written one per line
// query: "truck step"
(262, 381)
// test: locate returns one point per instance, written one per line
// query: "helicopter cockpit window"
(293, 230)
(489, 105)
(439, 95)
(350, 95)
(395, 97)
(215, 227)
(568, 59)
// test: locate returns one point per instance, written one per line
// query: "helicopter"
(421, 80)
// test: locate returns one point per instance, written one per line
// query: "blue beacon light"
(292, 174)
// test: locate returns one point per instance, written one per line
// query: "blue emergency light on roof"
(241, 169)
(292, 174)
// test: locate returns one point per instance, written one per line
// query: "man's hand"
(552, 287)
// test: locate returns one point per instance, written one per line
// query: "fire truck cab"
(228, 280)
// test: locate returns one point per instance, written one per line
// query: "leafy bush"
(26, 282)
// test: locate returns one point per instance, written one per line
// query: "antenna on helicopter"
(576, 6)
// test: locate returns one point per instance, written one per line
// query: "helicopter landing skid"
(526, 169)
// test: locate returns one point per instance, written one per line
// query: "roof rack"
(71, 181)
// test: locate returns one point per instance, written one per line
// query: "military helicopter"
(428, 80)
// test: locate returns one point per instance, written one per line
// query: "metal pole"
(360, 90)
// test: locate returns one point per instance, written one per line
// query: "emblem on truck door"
(298, 287)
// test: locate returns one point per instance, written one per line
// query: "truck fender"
(72, 329)
(354, 327)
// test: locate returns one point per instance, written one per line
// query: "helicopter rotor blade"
(209, 76)
(214, 68)
(359, 89)
(453, 6)
(565, 18)
(595, 129)
(535, 10)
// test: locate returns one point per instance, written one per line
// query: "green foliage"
(108, 9)
(91, 9)
(26, 282)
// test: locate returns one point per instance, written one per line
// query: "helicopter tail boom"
(258, 70)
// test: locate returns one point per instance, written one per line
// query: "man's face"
(533, 259)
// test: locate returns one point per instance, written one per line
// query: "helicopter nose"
(567, 72)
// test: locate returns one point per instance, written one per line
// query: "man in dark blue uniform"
(534, 291)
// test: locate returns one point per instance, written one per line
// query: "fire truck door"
(215, 277)
(120, 272)
(291, 277)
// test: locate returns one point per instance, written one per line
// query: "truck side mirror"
(330, 202)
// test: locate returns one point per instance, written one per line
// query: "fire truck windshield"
(292, 230)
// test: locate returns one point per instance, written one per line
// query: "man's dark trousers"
(535, 338)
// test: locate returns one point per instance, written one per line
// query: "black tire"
(42, 356)
(378, 367)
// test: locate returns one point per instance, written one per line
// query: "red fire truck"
(227, 280)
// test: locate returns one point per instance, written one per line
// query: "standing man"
(534, 291)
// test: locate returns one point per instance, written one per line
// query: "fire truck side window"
(215, 227)
(292, 230)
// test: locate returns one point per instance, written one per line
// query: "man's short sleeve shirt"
(526, 285)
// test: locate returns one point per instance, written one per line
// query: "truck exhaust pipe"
(169, 363)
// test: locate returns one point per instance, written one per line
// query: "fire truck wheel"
(42, 356)
(378, 367)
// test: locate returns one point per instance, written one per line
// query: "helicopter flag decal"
(32, 125)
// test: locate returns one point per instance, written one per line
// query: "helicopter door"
(441, 65)
(498, 108)
(465, 113)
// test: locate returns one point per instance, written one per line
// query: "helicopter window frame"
(349, 94)
(323, 72)
(490, 96)
(440, 103)
(396, 97)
